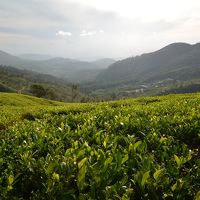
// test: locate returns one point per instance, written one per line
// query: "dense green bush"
(146, 148)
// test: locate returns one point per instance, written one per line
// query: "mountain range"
(180, 61)
(70, 69)
(175, 63)
(30, 56)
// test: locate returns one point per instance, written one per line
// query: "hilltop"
(178, 61)
(171, 68)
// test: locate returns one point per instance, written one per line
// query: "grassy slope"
(16, 107)
(20, 100)
(13, 79)
(144, 148)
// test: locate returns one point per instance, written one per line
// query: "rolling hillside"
(73, 70)
(8, 59)
(18, 107)
(143, 148)
(179, 61)
(20, 100)
(104, 63)
(42, 85)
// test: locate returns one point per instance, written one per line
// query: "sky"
(94, 29)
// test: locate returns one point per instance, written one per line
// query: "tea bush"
(145, 148)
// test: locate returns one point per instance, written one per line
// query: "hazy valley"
(174, 68)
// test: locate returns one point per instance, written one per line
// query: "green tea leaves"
(82, 169)
(178, 160)
(107, 150)
(157, 174)
(145, 178)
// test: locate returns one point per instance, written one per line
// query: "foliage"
(38, 90)
(144, 148)
(40, 85)
(4, 88)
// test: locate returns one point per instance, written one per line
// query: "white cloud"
(102, 28)
(64, 33)
(85, 33)
(145, 9)
(101, 31)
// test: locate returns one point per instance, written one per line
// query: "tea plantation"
(143, 148)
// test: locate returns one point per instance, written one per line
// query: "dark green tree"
(75, 91)
(38, 90)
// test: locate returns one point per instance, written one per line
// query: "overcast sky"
(93, 29)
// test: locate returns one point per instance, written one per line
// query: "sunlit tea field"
(143, 148)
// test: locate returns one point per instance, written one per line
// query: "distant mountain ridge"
(104, 63)
(37, 57)
(176, 61)
(21, 81)
(71, 69)
(8, 59)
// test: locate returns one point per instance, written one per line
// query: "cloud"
(101, 31)
(102, 28)
(85, 33)
(63, 33)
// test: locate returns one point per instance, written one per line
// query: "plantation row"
(145, 148)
